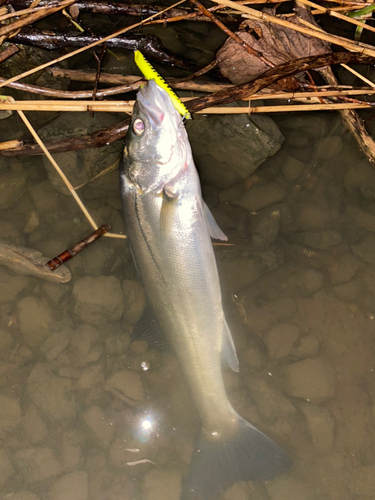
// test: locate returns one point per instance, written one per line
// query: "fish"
(169, 230)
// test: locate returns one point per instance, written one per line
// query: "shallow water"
(88, 415)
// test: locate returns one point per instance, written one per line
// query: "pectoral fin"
(212, 227)
(229, 354)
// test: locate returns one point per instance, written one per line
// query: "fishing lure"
(150, 73)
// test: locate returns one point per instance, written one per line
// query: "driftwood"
(118, 131)
(149, 45)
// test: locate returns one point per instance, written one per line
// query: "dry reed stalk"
(343, 42)
(90, 46)
(4, 16)
(10, 144)
(287, 108)
(108, 106)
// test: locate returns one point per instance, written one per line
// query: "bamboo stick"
(90, 46)
(287, 108)
(108, 107)
(343, 42)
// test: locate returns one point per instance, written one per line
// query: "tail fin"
(245, 456)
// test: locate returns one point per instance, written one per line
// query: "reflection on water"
(86, 414)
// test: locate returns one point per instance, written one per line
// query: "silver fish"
(169, 229)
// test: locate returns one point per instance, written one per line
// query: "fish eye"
(138, 126)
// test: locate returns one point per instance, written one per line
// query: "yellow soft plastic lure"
(150, 73)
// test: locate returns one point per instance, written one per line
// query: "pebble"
(85, 345)
(36, 464)
(310, 281)
(35, 428)
(71, 450)
(12, 187)
(161, 485)
(362, 219)
(311, 217)
(306, 347)
(232, 193)
(56, 343)
(127, 386)
(280, 340)
(98, 300)
(311, 379)
(348, 292)
(10, 233)
(11, 286)
(252, 358)
(321, 426)
(90, 377)
(99, 424)
(265, 227)
(54, 395)
(73, 486)
(6, 342)
(36, 320)
(260, 197)
(362, 482)
(319, 240)
(10, 414)
(292, 169)
(271, 404)
(45, 198)
(286, 488)
(6, 468)
(22, 495)
(343, 269)
(365, 249)
(328, 147)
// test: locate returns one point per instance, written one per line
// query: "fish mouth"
(155, 102)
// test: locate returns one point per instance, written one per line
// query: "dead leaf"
(277, 43)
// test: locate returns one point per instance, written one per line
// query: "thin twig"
(8, 52)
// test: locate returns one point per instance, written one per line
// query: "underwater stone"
(73, 486)
(280, 340)
(260, 197)
(12, 186)
(36, 320)
(321, 426)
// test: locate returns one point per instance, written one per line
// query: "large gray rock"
(245, 143)
(79, 166)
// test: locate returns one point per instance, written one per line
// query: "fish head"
(156, 146)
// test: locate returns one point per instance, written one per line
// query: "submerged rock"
(12, 186)
(54, 395)
(37, 464)
(98, 300)
(36, 320)
(311, 379)
(280, 340)
(73, 486)
(259, 197)
(127, 386)
(265, 227)
(162, 485)
(321, 426)
(244, 144)
(79, 166)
